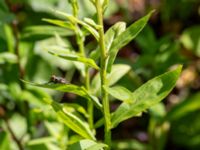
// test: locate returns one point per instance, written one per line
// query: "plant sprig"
(109, 44)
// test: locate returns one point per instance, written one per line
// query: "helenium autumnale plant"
(96, 90)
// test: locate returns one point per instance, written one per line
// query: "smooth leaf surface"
(87, 145)
(105, 3)
(60, 23)
(56, 129)
(146, 96)
(81, 91)
(97, 146)
(39, 32)
(31, 98)
(8, 57)
(74, 57)
(45, 143)
(41, 140)
(120, 93)
(4, 140)
(72, 121)
(91, 22)
(157, 111)
(124, 38)
(9, 38)
(75, 107)
(18, 125)
(85, 25)
(99, 123)
(119, 70)
(112, 33)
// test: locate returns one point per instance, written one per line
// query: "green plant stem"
(75, 9)
(104, 94)
(23, 105)
(90, 103)
(87, 85)
(80, 40)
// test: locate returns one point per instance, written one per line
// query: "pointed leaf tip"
(125, 37)
(147, 95)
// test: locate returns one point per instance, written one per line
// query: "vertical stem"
(18, 142)
(25, 105)
(104, 94)
(80, 41)
(90, 103)
(74, 9)
(87, 84)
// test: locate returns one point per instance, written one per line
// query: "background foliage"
(171, 37)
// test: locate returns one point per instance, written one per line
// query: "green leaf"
(87, 145)
(43, 31)
(185, 131)
(129, 145)
(189, 105)
(75, 108)
(124, 38)
(157, 129)
(75, 6)
(190, 39)
(68, 55)
(34, 97)
(120, 93)
(72, 121)
(112, 33)
(81, 91)
(18, 125)
(61, 87)
(147, 41)
(85, 25)
(45, 143)
(9, 38)
(99, 123)
(91, 22)
(146, 96)
(73, 1)
(157, 111)
(97, 146)
(60, 42)
(105, 4)
(4, 141)
(41, 140)
(3, 6)
(31, 98)
(92, 1)
(60, 23)
(55, 129)
(119, 70)
(8, 57)
(3, 87)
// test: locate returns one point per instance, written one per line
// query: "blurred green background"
(172, 37)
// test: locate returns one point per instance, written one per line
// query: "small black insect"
(55, 79)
